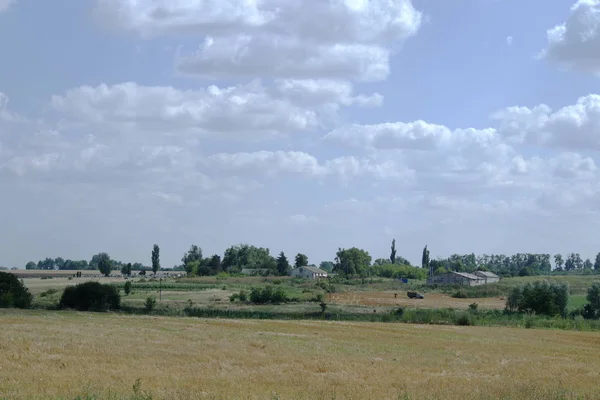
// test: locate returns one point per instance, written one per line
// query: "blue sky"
(108, 144)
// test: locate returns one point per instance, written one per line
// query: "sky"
(464, 125)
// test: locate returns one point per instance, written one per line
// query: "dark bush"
(91, 296)
(465, 319)
(13, 292)
(460, 294)
(267, 295)
(540, 298)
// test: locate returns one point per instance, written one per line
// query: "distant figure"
(395, 295)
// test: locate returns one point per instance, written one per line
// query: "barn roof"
(468, 276)
(487, 274)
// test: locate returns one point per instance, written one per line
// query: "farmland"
(68, 354)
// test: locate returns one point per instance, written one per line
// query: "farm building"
(456, 278)
(489, 277)
(309, 272)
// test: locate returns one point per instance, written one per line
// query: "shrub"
(473, 307)
(323, 306)
(267, 295)
(48, 292)
(127, 287)
(150, 303)
(243, 296)
(539, 298)
(460, 294)
(91, 296)
(13, 293)
(465, 319)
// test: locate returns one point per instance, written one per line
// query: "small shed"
(309, 272)
(489, 277)
(456, 278)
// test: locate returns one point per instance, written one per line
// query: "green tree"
(193, 254)
(104, 263)
(300, 261)
(246, 256)
(283, 266)
(155, 259)
(587, 264)
(214, 263)
(597, 262)
(393, 253)
(126, 269)
(558, 261)
(127, 288)
(32, 265)
(326, 266)
(425, 258)
(13, 293)
(352, 261)
(593, 296)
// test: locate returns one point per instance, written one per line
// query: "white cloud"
(575, 42)
(273, 164)
(573, 127)
(509, 40)
(250, 111)
(277, 38)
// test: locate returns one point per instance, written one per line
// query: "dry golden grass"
(431, 300)
(65, 354)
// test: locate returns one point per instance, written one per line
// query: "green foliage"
(246, 256)
(155, 259)
(13, 293)
(267, 295)
(48, 292)
(593, 297)
(540, 298)
(283, 266)
(326, 266)
(300, 260)
(393, 252)
(91, 296)
(326, 285)
(352, 261)
(473, 307)
(104, 263)
(323, 306)
(150, 303)
(395, 271)
(126, 269)
(127, 287)
(460, 294)
(192, 258)
(425, 259)
(464, 319)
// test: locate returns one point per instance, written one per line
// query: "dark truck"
(414, 295)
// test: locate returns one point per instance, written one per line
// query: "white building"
(309, 272)
(456, 278)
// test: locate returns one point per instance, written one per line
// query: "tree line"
(249, 259)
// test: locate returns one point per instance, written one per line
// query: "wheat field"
(68, 354)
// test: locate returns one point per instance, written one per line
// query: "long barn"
(456, 278)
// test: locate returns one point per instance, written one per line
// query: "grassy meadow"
(63, 354)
